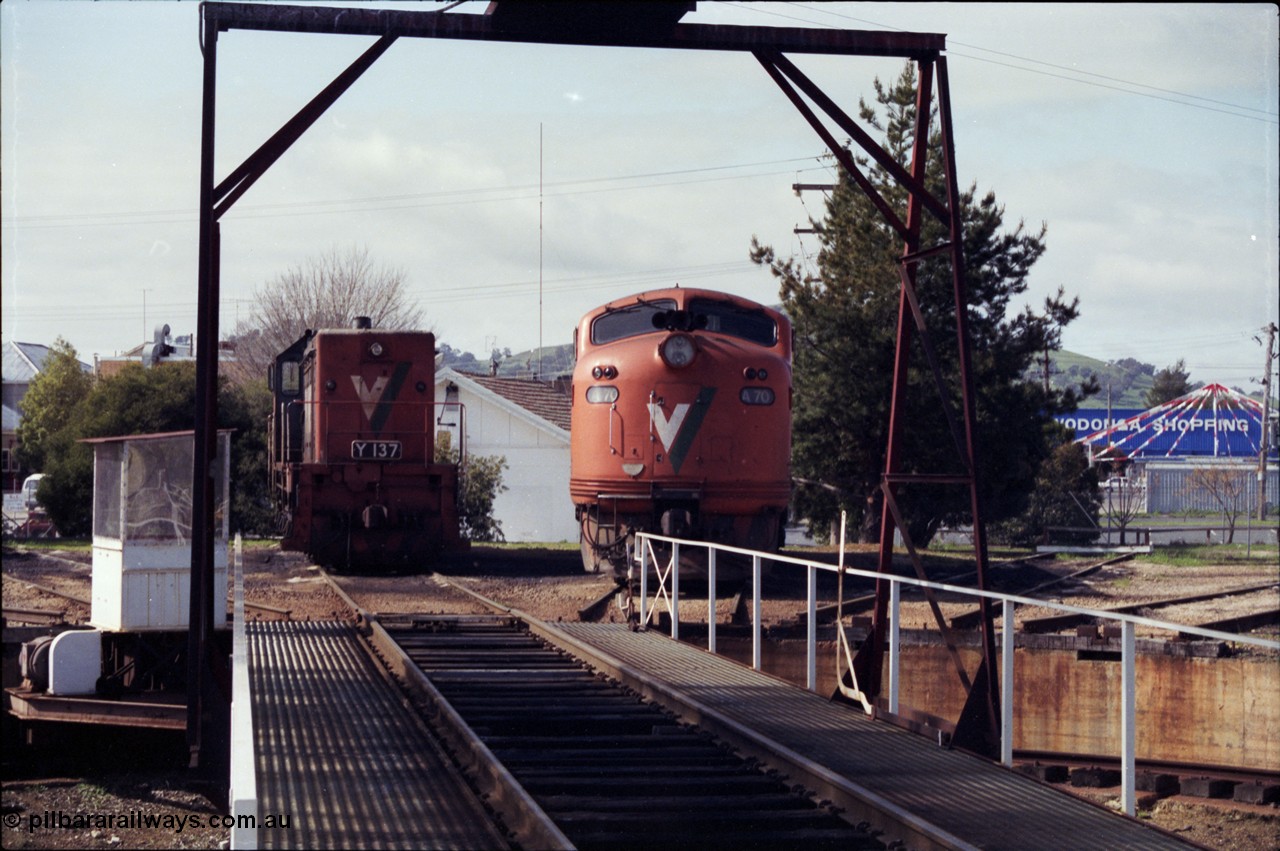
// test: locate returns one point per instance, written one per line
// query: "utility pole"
(1266, 421)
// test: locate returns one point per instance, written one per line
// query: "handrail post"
(1006, 683)
(643, 543)
(1128, 721)
(895, 642)
(755, 612)
(811, 631)
(675, 590)
(711, 598)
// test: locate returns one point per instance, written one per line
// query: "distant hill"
(556, 361)
(1128, 379)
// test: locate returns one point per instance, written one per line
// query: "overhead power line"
(1070, 74)
(448, 197)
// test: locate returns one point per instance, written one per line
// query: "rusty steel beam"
(238, 182)
(769, 60)
(32, 706)
(202, 698)
(399, 22)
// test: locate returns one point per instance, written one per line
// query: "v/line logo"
(376, 399)
(677, 432)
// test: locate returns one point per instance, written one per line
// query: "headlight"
(677, 351)
(375, 349)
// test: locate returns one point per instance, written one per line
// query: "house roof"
(539, 398)
(24, 361)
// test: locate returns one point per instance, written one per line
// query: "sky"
(519, 186)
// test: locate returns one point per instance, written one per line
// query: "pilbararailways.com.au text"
(140, 820)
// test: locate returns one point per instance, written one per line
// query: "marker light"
(602, 394)
(756, 396)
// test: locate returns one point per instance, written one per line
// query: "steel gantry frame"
(645, 25)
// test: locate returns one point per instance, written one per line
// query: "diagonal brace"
(837, 150)
(848, 125)
(226, 193)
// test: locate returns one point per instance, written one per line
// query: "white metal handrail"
(243, 792)
(644, 542)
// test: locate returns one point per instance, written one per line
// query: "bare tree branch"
(327, 291)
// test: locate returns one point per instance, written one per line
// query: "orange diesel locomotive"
(681, 422)
(351, 440)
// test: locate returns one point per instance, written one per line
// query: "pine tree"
(1168, 384)
(845, 315)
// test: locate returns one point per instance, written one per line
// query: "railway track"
(1160, 777)
(1190, 610)
(570, 759)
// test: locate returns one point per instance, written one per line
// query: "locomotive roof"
(682, 295)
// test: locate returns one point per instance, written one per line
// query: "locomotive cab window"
(290, 377)
(749, 324)
(628, 321)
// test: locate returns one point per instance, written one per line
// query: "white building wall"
(536, 507)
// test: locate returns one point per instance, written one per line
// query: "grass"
(1186, 555)
(50, 544)
(554, 545)
(92, 793)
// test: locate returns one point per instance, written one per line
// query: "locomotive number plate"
(376, 450)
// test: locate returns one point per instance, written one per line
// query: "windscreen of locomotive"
(628, 321)
(749, 324)
(308, 400)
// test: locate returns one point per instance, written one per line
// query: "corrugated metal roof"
(24, 361)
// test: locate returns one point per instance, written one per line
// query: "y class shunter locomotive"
(681, 422)
(354, 477)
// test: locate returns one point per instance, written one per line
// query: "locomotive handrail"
(644, 550)
(428, 432)
(243, 789)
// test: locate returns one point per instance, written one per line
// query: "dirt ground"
(137, 779)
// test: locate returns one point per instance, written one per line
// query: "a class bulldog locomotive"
(681, 422)
(352, 444)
